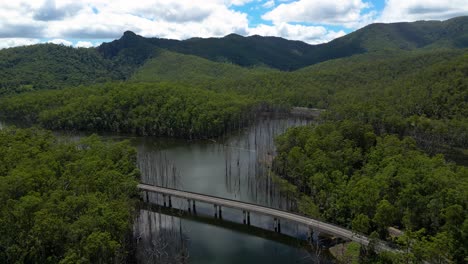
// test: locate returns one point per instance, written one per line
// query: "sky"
(88, 23)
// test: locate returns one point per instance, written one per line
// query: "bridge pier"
(246, 217)
(313, 236)
(220, 213)
(315, 226)
(194, 208)
(164, 200)
(277, 225)
(316, 236)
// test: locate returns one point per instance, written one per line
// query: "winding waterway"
(234, 167)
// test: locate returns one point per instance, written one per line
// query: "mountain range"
(290, 55)
(53, 66)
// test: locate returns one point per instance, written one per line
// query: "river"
(234, 167)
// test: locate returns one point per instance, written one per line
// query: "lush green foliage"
(368, 182)
(358, 169)
(291, 55)
(452, 33)
(189, 69)
(55, 66)
(52, 66)
(64, 202)
(419, 93)
(71, 202)
(145, 109)
(429, 104)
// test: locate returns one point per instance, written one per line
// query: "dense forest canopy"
(160, 109)
(288, 55)
(65, 202)
(54, 66)
(344, 173)
(50, 66)
(417, 93)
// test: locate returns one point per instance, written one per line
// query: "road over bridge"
(313, 224)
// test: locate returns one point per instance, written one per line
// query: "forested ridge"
(389, 150)
(344, 173)
(287, 55)
(50, 66)
(160, 109)
(65, 202)
(46, 66)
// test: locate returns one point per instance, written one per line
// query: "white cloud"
(60, 42)
(83, 44)
(50, 11)
(269, 4)
(15, 42)
(90, 20)
(103, 19)
(412, 10)
(347, 13)
(23, 22)
(309, 34)
(237, 2)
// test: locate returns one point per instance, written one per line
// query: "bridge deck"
(312, 223)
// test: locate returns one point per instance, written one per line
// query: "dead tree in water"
(164, 242)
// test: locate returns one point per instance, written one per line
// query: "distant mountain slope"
(55, 66)
(452, 33)
(171, 66)
(52, 66)
(318, 85)
(289, 55)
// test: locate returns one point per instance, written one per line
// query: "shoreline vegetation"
(342, 172)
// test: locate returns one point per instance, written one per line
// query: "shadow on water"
(237, 167)
(289, 239)
(228, 242)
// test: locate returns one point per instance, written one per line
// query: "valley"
(386, 148)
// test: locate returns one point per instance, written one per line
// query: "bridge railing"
(379, 243)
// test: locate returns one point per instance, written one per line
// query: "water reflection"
(170, 239)
(235, 167)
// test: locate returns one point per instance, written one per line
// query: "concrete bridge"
(313, 224)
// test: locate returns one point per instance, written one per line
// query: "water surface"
(235, 167)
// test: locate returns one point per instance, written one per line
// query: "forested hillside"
(65, 202)
(48, 66)
(417, 93)
(291, 55)
(192, 70)
(452, 33)
(160, 109)
(344, 173)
